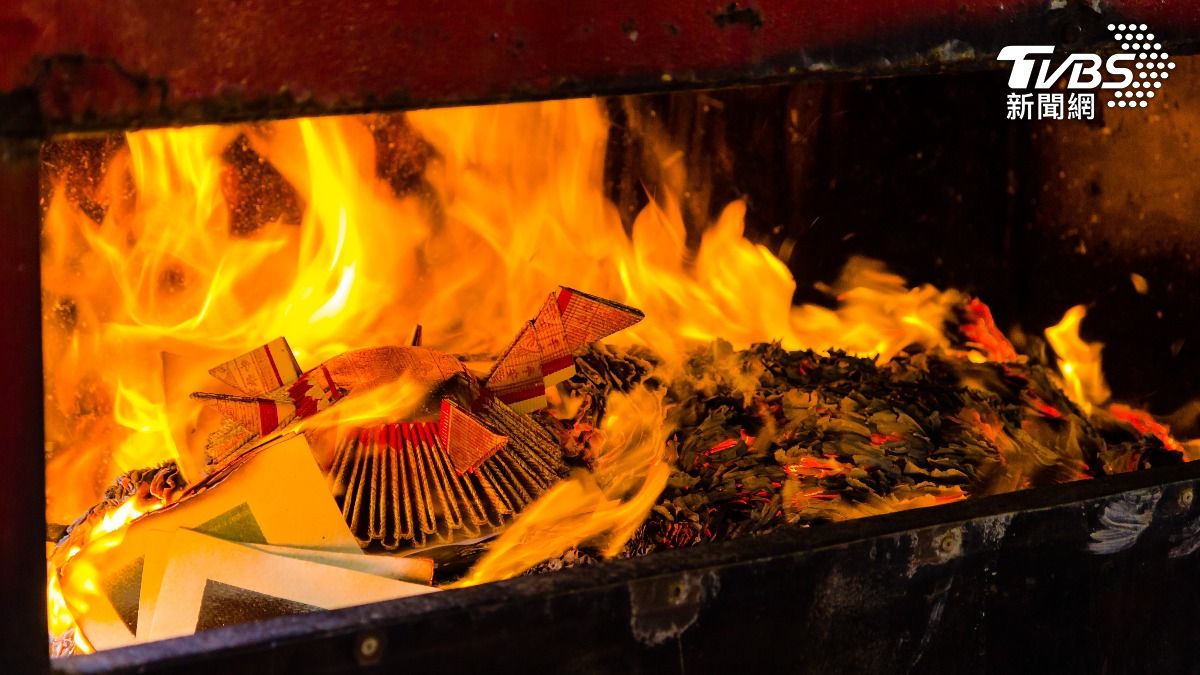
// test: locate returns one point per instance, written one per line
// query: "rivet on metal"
(369, 648)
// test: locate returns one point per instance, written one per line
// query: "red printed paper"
(468, 442)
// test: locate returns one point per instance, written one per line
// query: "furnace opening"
(393, 354)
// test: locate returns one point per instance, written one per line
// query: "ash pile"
(765, 436)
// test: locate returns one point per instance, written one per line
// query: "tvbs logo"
(1133, 76)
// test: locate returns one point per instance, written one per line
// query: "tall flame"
(513, 203)
(149, 280)
(1078, 361)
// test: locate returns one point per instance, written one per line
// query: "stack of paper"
(262, 538)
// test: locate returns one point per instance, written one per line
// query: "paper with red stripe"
(587, 318)
(557, 363)
(259, 415)
(261, 370)
(542, 354)
(516, 378)
(314, 392)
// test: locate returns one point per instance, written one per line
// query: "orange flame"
(1082, 372)
(163, 274)
(1078, 361)
(106, 532)
(152, 285)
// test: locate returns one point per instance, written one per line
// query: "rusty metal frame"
(1084, 577)
(110, 64)
(22, 498)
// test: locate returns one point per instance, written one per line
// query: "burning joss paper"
(460, 460)
(540, 354)
(275, 496)
(766, 436)
(377, 473)
(306, 469)
(212, 582)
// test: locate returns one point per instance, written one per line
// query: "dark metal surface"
(926, 174)
(22, 499)
(1089, 577)
(102, 64)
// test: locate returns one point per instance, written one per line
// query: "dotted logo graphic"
(1151, 66)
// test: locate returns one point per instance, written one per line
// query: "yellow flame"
(148, 429)
(470, 257)
(398, 399)
(511, 204)
(1078, 361)
(103, 534)
(60, 618)
(118, 518)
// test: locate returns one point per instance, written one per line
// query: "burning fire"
(605, 504)
(152, 273)
(1078, 361)
(1082, 372)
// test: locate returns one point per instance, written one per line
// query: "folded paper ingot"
(410, 478)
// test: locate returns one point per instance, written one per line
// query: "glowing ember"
(1144, 423)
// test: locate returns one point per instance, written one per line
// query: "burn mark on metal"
(629, 28)
(938, 608)
(952, 51)
(206, 63)
(116, 88)
(934, 547)
(1187, 541)
(733, 15)
(662, 609)
(1123, 520)
(992, 530)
